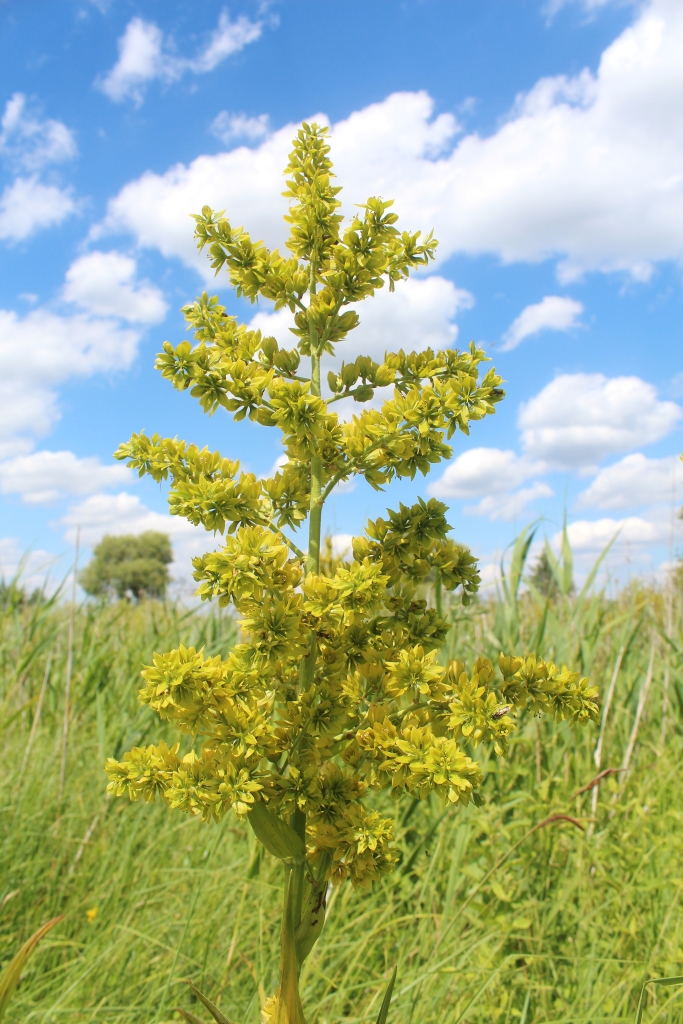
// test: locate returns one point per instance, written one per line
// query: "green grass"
(487, 920)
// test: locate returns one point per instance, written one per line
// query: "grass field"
(492, 916)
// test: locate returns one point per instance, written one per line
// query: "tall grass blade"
(654, 981)
(384, 1008)
(9, 979)
(554, 564)
(590, 579)
(642, 698)
(520, 552)
(69, 670)
(567, 560)
(39, 708)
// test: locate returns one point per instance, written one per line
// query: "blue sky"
(541, 140)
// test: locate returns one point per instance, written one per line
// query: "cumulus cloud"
(586, 535)
(484, 471)
(585, 169)
(47, 347)
(229, 37)
(634, 480)
(120, 514)
(44, 477)
(554, 313)
(125, 513)
(30, 143)
(27, 206)
(342, 545)
(144, 55)
(509, 506)
(417, 315)
(228, 128)
(245, 182)
(104, 283)
(580, 418)
(140, 60)
(492, 474)
(31, 566)
(42, 350)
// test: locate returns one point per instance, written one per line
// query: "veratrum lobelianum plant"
(335, 692)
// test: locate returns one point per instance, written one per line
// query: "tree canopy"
(129, 566)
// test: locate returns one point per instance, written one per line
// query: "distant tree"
(130, 565)
(542, 577)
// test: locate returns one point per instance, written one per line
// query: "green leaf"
(384, 1008)
(500, 892)
(594, 571)
(554, 565)
(654, 981)
(219, 1017)
(277, 836)
(567, 560)
(9, 979)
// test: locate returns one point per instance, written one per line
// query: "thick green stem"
(316, 507)
(294, 948)
(438, 593)
(289, 1010)
(314, 527)
(289, 1002)
(442, 656)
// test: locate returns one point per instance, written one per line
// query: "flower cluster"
(335, 691)
(378, 712)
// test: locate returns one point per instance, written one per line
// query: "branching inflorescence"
(335, 692)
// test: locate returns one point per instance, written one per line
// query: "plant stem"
(69, 668)
(438, 593)
(316, 505)
(289, 1010)
(36, 717)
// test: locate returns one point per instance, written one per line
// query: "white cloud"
(32, 567)
(634, 480)
(27, 205)
(144, 55)
(42, 350)
(229, 37)
(245, 182)
(123, 513)
(484, 471)
(104, 283)
(140, 60)
(491, 474)
(342, 545)
(44, 477)
(554, 313)
(30, 143)
(45, 348)
(585, 535)
(585, 169)
(509, 506)
(416, 316)
(580, 418)
(230, 127)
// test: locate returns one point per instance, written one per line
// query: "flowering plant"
(335, 691)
